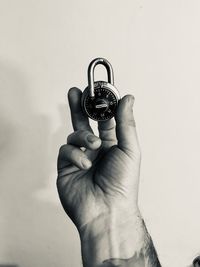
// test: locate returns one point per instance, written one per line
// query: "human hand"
(98, 186)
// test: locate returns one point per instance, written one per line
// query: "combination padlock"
(100, 98)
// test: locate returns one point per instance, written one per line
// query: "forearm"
(111, 241)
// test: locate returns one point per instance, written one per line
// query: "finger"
(107, 131)
(125, 126)
(79, 119)
(69, 154)
(196, 262)
(85, 139)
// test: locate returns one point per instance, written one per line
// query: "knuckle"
(137, 152)
(82, 134)
(72, 154)
(69, 137)
(130, 122)
(62, 148)
(126, 123)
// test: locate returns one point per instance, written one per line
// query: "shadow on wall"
(31, 230)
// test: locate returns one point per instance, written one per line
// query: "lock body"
(102, 106)
(100, 98)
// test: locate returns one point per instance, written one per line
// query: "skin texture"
(146, 257)
(196, 262)
(97, 183)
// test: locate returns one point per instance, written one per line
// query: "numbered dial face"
(102, 106)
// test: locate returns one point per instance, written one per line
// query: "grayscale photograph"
(99, 133)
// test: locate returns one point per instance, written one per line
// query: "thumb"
(125, 127)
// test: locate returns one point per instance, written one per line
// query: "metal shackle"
(91, 68)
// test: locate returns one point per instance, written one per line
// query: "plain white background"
(45, 48)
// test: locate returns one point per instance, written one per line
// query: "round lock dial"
(102, 106)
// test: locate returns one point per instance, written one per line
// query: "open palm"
(98, 175)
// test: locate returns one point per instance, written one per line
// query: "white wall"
(45, 48)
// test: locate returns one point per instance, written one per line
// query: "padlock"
(100, 98)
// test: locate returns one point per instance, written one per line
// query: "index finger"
(79, 120)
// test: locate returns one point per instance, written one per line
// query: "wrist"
(118, 234)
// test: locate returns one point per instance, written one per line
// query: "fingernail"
(92, 138)
(86, 163)
(132, 99)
